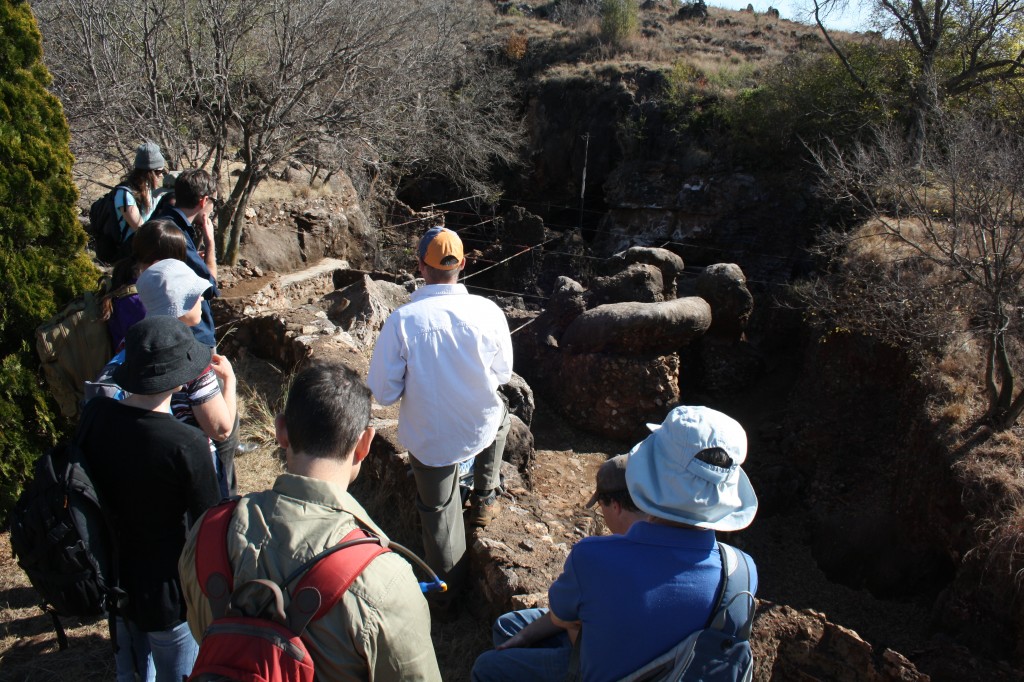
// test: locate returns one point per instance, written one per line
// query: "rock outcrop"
(790, 644)
(608, 357)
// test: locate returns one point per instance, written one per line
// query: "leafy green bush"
(811, 97)
(619, 20)
(42, 257)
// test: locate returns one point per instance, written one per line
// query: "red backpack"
(267, 646)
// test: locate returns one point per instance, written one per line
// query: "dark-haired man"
(380, 629)
(613, 498)
(195, 193)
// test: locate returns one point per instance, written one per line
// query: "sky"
(854, 18)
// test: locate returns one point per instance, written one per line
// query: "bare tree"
(942, 251)
(956, 46)
(243, 86)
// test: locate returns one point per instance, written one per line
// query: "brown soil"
(540, 524)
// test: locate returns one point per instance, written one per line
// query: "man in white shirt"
(444, 354)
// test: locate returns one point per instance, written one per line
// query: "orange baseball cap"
(440, 248)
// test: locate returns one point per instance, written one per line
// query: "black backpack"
(105, 228)
(63, 539)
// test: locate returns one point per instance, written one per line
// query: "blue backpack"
(720, 651)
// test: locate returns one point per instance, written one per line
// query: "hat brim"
(152, 379)
(670, 497)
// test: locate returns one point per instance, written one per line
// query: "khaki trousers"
(440, 506)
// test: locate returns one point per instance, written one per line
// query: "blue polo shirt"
(637, 594)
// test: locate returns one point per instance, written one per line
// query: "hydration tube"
(432, 584)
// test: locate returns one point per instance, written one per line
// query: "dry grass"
(28, 645)
(732, 49)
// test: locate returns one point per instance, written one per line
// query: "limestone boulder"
(536, 345)
(519, 450)
(361, 308)
(520, 398)
(670, 264)
(724, 286)
(638, 328)
(284, 236)
(638, 282)
(567, 302)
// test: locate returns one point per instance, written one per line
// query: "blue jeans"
(162, 656)
(132, 653)
(545, 661)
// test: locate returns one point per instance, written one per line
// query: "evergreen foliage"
(42, 257)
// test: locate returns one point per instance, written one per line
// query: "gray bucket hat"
(667, 481)
(148, 157)
(160, 354)
(170, 287)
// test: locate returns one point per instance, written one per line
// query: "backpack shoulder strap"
(331, 572)
(119, 188)
(734, 609)
(211, 546)
(122, 222)
(88, 417)
(334, 571)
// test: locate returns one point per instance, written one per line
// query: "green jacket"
(379, 631)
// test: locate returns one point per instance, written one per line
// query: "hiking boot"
(483, 509)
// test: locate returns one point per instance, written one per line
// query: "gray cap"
(148, 157)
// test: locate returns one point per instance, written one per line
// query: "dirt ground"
(541, 524)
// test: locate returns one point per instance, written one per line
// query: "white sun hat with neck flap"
(666, 479)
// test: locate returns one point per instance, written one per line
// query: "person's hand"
(221, 366)
(206, 224)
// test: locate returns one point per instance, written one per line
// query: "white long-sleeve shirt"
(444, 354)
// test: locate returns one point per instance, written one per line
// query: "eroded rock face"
(803, 645)
(615, 395)
(638, 328)
(638, 282)
(285, 236)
